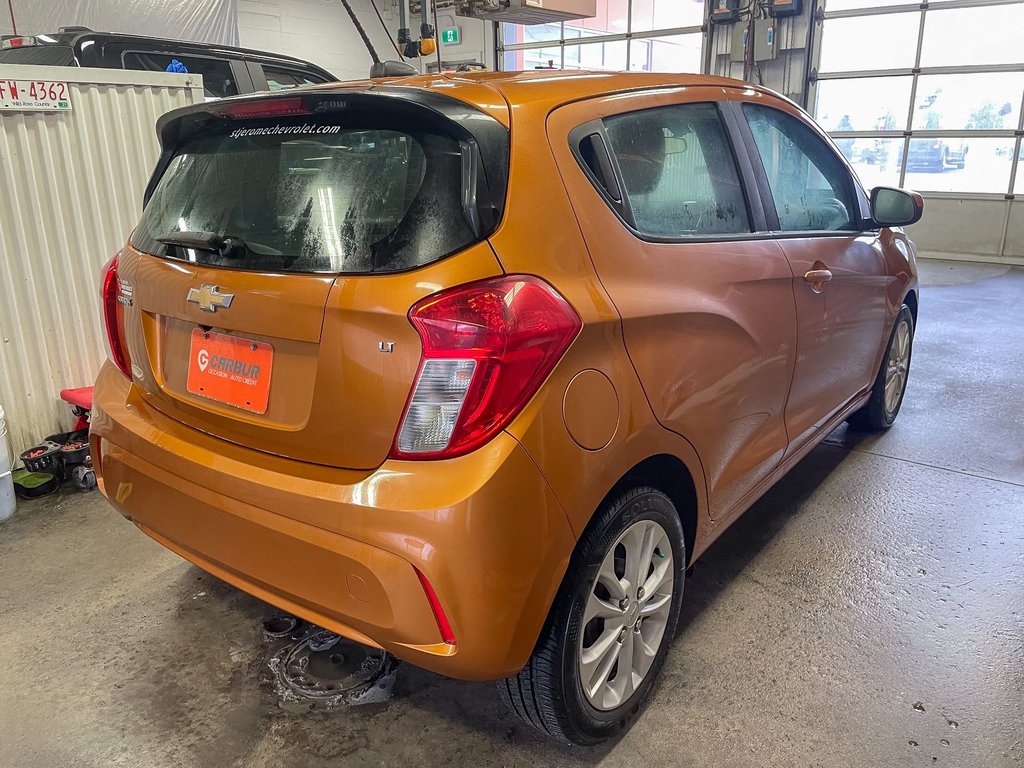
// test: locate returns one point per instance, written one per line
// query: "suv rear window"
(49, 55)
(308, 196)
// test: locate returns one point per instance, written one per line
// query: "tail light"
(265, 108)
(18, 42)
(487, 348)
(115, 298)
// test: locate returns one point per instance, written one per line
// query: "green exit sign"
(451, 35)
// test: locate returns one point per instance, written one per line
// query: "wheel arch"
(670, 475)
(911, 301)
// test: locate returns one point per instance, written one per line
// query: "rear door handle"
(817, 278)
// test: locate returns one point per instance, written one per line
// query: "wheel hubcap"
(626, 614)
(897, 366)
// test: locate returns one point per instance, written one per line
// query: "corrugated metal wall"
(71, 186)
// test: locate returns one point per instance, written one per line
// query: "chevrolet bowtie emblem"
(209, 298)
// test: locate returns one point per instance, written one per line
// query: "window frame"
(856, 194)
(622, 209)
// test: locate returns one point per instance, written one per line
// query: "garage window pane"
(612, 18)
(533, 58)
(876, 161)
(678, 53)
(841, 105)
(984, 102)
(1018, 186)
(535, 33)
(988, 35)
(666, 14)
(962, 164)
(846, 5)
(602, 56)
(893, 42)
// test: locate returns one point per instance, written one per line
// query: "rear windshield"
(50, 55)
(310, 196)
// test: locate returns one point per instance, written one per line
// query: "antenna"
(362, 32)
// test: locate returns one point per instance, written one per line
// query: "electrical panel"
(765, 48)
(780, 8)
(738, 48)
(725, 11)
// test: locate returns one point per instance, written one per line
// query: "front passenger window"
(679, 172)
(810, 185)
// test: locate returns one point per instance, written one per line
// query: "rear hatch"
(282, 246)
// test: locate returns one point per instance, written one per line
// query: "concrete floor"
(869, 611)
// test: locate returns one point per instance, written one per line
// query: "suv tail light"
(18, 42)
(487, 348)
(115, 297)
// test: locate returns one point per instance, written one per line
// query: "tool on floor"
(61, 456)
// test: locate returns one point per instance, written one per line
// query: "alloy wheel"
(626, 614)
(897, 366)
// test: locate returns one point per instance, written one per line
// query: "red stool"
(80, 401)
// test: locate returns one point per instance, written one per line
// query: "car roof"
(495, 92)
(75, 37)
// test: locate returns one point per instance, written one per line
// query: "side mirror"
(891, 207)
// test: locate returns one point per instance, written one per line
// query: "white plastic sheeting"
(71, 187)
(206, 21)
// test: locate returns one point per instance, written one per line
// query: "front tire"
(891, 382)
(606, 639)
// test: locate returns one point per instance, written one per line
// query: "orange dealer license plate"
(230, 370)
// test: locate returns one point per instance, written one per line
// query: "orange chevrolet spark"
(473, 368)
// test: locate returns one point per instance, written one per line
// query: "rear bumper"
(341, 547)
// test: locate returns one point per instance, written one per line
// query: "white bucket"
(6, 481)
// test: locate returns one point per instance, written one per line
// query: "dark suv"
(226, 71)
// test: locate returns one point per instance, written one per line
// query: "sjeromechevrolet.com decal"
(274, 130)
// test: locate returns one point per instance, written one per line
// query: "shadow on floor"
(421, 697)
(730, 554)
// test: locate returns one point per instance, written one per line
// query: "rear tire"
(618, 605)
(891, 382)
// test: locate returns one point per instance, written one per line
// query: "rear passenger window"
(679, 171)
(218, 80)
(282, 79)
(810, 184)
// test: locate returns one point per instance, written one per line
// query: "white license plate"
(34, 95)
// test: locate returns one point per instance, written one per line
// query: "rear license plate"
(230, 370)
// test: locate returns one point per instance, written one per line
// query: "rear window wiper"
(225, 246)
